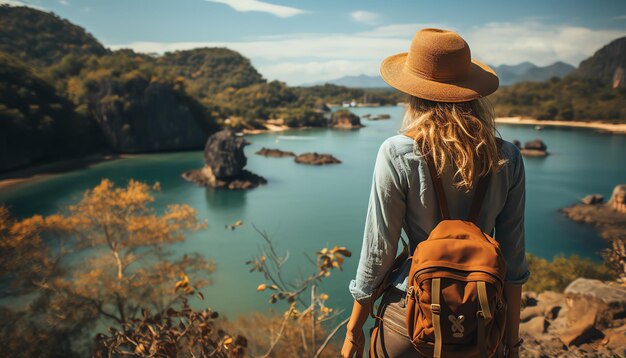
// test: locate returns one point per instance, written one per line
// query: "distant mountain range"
(529, 72)
(360, 81)
(508, 74)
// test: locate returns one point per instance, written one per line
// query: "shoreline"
(619, 128)
(41, 171)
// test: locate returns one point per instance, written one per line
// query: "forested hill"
(42, 38)
(208, 71)
(595, 91)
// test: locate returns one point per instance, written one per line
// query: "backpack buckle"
(409, 293)
(435, 308)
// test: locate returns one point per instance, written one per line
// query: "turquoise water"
(306, 208)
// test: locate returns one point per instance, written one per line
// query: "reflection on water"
(217, 199)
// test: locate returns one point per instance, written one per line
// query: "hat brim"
(481, 81)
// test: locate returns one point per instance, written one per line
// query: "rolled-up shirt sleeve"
(510, 226)
(383, 225)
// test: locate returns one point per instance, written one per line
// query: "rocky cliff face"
(608, 64)
(145, 116)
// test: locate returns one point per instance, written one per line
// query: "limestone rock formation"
(344, 119)
(316, 159)
(224, 164)
(223, 152)
(276, 153)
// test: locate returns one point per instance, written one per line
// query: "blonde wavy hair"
(463, 134)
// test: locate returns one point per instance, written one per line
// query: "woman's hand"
(353, 345)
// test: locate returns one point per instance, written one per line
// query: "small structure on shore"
(225, 161)
(316, 159)
(344, 119)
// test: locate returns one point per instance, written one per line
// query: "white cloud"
(366, 17)
(511, 43)
(260, 6)
(20, 3)
(401, 30)
(64, 2)
(316, 71)
(622, 17)
(303, 58)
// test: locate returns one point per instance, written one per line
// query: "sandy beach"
(41, 171)
(602, 126)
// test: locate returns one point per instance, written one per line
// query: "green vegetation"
(566, 99)
(330, 93)
(35, 122)
(555, 275)
(60, 79)
(41, 38)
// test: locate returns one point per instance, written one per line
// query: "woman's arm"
(383, 224)
(510, 234)
(354, 343)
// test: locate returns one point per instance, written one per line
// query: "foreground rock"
(344, 119)
(225, 161)
(587, 320)
(316, 159)
(275, 153)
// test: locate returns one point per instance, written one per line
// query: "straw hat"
(439, 67)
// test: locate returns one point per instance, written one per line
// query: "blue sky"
(314, 40)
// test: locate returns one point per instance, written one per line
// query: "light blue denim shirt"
(402, 198)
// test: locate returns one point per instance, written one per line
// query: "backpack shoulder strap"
(438, 186)
(436, 180)
(479, 193)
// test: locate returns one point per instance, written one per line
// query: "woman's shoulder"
(401, 146)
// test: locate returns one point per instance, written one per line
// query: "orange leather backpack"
(455, 304)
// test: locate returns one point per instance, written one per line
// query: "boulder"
(592, 199)
(529, 313)
(344, 119)
(224, 154)
(316, 159)
(535, 327)
(618, 198)
(586, 297)
(275, 153)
